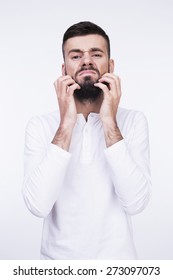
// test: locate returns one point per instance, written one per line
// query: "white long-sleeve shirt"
(86, 195)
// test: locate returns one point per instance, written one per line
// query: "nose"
(87, 59)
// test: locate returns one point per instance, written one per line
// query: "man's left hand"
(108, 110)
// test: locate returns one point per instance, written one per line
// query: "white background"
(141, 34)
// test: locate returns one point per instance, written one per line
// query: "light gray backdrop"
(141, 34)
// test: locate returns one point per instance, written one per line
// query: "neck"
(86, 107)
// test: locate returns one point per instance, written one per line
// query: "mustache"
(90, 67)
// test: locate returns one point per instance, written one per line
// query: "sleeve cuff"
(58, 152)
(115, 148)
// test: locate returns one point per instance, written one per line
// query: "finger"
(64, 80)
(113, 77)
(103, 87)
(110, 83)
(61, 79)
(114, 83)
(67, 81)
(62, 84)
(72, 88)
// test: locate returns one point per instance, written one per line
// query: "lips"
(87, 72)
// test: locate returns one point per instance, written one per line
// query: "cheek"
(104, 69)
(70, 69)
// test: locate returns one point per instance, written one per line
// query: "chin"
(87, 91)
(87, 80)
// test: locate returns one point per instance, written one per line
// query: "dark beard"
(87, 91)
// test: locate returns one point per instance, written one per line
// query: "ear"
(111, 66)
(63, 70)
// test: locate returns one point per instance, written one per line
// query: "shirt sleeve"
(130, 167)
(44, 170)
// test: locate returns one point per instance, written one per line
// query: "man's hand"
(111, 87)
(65, 87)
(111, 96)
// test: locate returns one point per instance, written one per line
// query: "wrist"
(67, 125)
(63, 136)
(111, 131)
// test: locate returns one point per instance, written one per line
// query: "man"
(87, 165)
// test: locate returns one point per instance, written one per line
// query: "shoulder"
(49, 119)
(43, 126)
(129, 114)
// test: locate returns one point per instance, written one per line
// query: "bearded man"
(87, 164)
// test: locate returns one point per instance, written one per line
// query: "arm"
(108, 110)
(45, 166)
(129, 163)
(65, 87)
(44, 170)
(130, 167)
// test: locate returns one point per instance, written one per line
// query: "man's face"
(86, 60)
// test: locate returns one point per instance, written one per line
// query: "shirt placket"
(86, 156)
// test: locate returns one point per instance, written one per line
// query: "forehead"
(85, 43)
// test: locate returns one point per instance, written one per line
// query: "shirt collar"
(92, 118)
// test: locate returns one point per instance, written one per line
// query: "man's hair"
(85, 28)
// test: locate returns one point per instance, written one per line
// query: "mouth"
(87, 72)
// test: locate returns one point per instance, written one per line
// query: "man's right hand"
(65, 87)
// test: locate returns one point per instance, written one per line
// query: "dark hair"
(85, 28)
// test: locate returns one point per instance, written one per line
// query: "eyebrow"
(81, 51)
